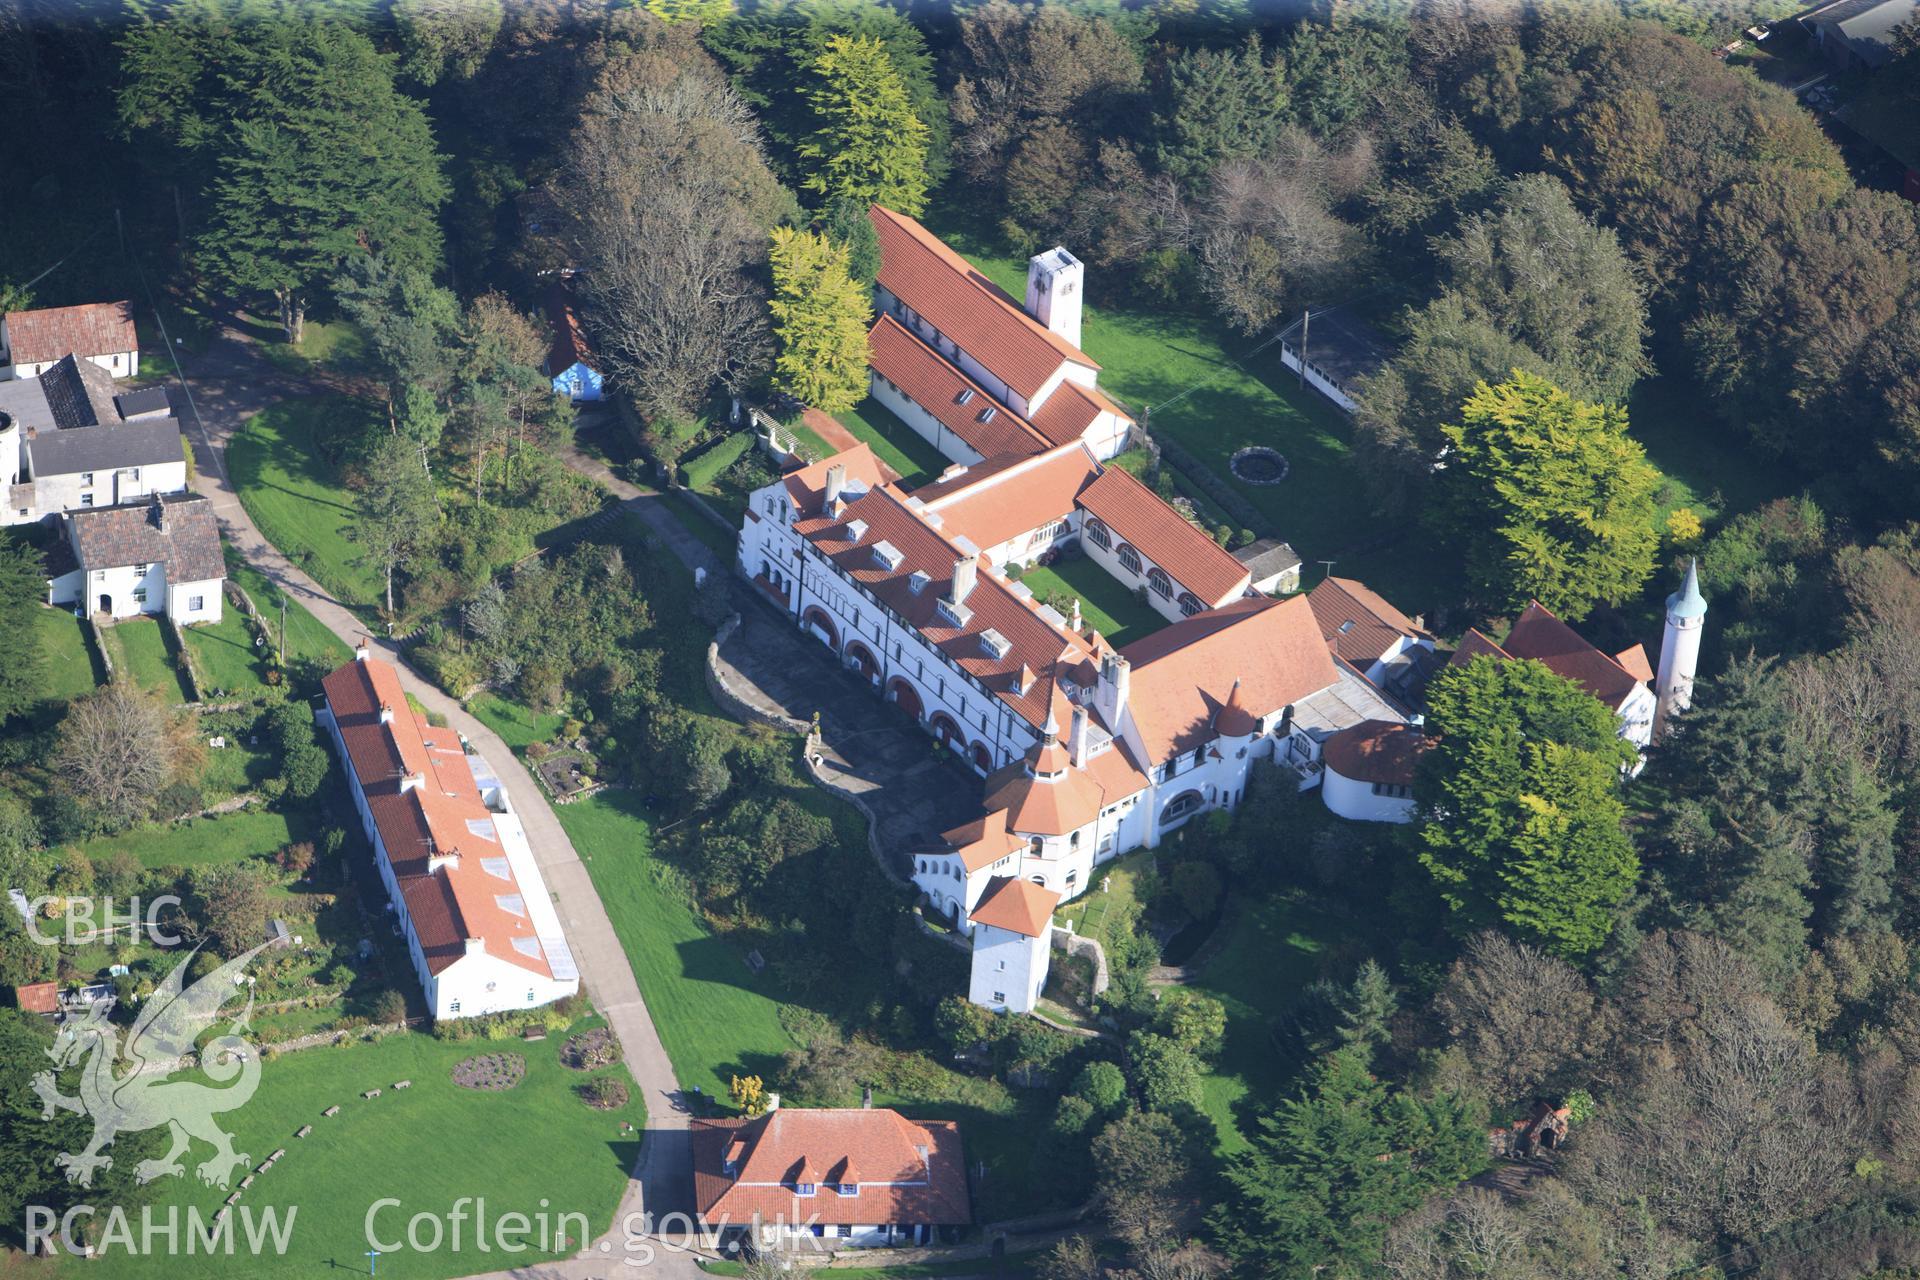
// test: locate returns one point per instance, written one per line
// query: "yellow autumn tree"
(748, 1094)
(820, 319)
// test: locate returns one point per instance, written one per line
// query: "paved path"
(228, 385)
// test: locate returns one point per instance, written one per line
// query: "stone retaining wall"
(723, 692)
(1075, 944)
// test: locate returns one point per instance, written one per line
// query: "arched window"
(1189, 605)
(1073, 841)
(923, 866)
(1181, 806)
(1035, 845)
(957, 874)
(1162, 585)
(1039, 880)
(1097, 534)
(1129, 558)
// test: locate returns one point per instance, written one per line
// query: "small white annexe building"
(469, 897)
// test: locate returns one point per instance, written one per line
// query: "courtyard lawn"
(535, 1149)
(144, 653)
(1107, 606)
(517, 725)
(894, 442)
(1115, 887)
(229, 837)
(277, 461)
(1273, 949)
(307, 637)
(225, 654)
(716, 1017)
(72, 668)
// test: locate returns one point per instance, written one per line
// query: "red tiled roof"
(910, 1171)
(1016, 905)
(1069, 411)
(1002, 498)
(982, 842)
(95, 329)
(1033, 643)
(921, 271)
(1139, 516)
(1234, 720)
(1183, 674)
(37, 997)
(1538, 634)
(1376, 751)
(1043, 806)
(1358, 623)
(807, 485)
(1634, 662)
(938, 387)
(462, 898)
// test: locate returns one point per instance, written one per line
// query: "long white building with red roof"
(1088, 750)
(469, 897)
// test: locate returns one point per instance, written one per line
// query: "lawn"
(230, 837)
(142, 651)
(895, 443)
(517, 725)
(716, 1017)
(1107, 606)
(536, 1149)
(337, 344)
(719, 541)
(72, 668)
(225, 653)
(1705, 468)
(1274, 947)
(1115, 886)
(277, 461)
(306, 635)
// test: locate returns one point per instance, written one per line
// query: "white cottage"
(157, 555)
(69, 441)
(100, 332)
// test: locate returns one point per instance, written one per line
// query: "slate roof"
(79, 394)
(1342, 345)
(1267, 558)
(145, 443)
(908, 1171)
(472, 895)
(131, 533)
(94, 329)
(146, 400)
(959, 301)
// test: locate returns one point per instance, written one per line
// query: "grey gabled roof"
(24, 401)
(131, 533)
(146, 443)
(132, 404)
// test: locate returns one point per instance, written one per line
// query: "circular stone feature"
(492, 1072)
(1257, 464)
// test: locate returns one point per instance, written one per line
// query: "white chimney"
(1055, 280)
(408, 781)
(965, 574)
(1110, 694)
(476, 946)
(773, 1102)
(836, 481)
(1077, 738)
(362, 651)
(386, 712)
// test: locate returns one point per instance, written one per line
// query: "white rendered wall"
(1010, 965)
(1355, 800)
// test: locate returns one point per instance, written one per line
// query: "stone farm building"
(465, 889)
(101, 332)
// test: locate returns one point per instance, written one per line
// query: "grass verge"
(296, 498)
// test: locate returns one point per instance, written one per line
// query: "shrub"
(295, 859)
(389, 1006)
(604, 1093)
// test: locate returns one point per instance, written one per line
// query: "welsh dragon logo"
(144, 1098)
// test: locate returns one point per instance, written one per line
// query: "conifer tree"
(1547, 498)
(1367, 1007)
(869, 145)
(1856, 840)
(820, 320)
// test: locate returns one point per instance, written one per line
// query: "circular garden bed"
(491, 1072)
(590, 1049)
(1257, 464)
(604, 1093)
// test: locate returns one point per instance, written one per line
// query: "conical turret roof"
(1687, 602)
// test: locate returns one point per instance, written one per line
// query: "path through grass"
(716, 1017)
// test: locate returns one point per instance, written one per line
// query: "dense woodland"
(1546, 206)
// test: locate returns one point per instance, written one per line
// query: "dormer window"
(886, 555)
(993, 644)
(955, 615)
(856, 530)
(803, 1188)
(917, 581)
(965, 396)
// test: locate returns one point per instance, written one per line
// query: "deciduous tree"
(394, 506)
(1546, 497)
(117, 749)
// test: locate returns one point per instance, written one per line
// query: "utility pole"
(283, 630)
(1305, 317)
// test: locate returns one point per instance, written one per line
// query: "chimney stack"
(836, 482)
(409, 781)
(1077, 738)
(1110, 694)
(1073, 622)
(965, 574)
(362, 650)
(386, 712)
